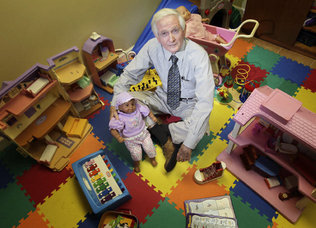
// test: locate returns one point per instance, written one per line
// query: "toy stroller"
(217, 51)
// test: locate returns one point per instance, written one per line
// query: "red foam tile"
(254, 74)
(144, 197)
(310, 82)
(40, 181)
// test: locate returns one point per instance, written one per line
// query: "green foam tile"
(10, 156)
(166, 215)
(274, 81)
(262, 58)
(14, 205)
(247, 217)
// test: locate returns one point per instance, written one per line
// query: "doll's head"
(125, 103)
(184, 12)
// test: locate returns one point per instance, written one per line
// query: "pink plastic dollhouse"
(287, 115)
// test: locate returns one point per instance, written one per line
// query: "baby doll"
(195, 28)
(130, 128)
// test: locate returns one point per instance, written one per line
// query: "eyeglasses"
(165, 34)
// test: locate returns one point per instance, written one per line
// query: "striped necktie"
(173, 90)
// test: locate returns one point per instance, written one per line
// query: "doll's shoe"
(213, 172)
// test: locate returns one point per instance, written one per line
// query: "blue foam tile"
(255, 201)
(92, 220)
(291, 70)
(227, 130)
(5, 176)
(100, 120)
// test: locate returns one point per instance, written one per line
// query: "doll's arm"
(117, 135)
(220, 40)
(152, 116)
(205, 20)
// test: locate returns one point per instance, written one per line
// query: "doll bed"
(147, 34)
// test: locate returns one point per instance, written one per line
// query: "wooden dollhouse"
(33, 111)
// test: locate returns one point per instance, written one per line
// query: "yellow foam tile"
(307, 97)
(219, 117)
(67, 206)
(233, 62)
(306, 220)
(158, 177)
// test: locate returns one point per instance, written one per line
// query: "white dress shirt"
(197, 85)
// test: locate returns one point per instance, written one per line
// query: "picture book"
(210, 212)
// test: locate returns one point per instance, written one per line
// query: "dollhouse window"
(30, 112)
(11, 120)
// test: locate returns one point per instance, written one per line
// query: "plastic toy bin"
(95, 171)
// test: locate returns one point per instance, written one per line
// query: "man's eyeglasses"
(174, 32)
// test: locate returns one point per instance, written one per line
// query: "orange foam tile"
(90, 145)
(188, 189)
(34, 220)
(240, 48)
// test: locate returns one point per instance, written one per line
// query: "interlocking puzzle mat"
(33, 196)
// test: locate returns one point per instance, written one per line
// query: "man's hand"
(184, 153)
(113, 113)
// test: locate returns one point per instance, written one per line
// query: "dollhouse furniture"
(288, 115)
(33, 109)
(71, 73)
(99, 55)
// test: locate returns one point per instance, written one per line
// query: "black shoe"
(171, 160)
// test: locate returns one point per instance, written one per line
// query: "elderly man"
(187, 86)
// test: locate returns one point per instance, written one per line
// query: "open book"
(210, 212)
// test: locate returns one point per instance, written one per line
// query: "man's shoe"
(170, 153)
(213, 172)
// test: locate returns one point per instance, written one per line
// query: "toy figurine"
(130, 128)
(195, 28)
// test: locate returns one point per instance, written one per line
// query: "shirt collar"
(179, 53)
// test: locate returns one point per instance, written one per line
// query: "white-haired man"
(185, 63)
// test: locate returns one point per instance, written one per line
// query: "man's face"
(170, 33)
